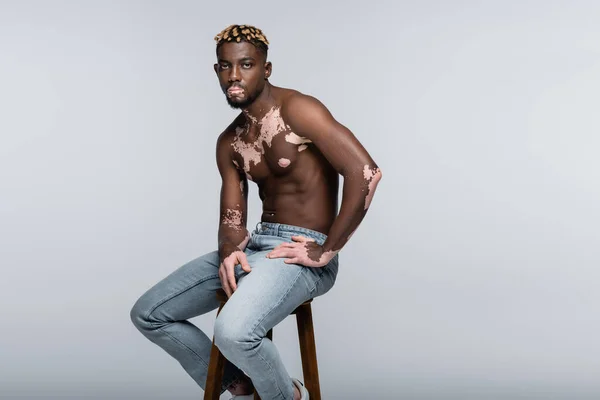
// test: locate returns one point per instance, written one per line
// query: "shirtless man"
(294, 150)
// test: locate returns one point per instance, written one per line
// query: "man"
(292, 147)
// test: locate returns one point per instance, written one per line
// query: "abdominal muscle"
(312, 207)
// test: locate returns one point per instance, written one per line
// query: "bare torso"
(296, 184)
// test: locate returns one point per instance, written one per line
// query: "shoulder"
(306, 115)
(296, 104)
(227, 136)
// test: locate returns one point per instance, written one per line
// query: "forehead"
(231, 51)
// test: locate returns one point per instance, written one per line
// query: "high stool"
(308, 353)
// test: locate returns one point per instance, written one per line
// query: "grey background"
(474, 273)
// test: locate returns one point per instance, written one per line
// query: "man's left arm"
(309, 118)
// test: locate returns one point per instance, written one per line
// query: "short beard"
(237, 105)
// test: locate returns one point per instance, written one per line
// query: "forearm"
(359, 188)
(233, 234)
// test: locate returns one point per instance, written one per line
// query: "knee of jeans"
(139, 314)
(231, 334)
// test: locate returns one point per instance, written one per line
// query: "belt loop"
(258, 226)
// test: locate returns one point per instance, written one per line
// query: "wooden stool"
(308, 353)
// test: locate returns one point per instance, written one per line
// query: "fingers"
(286, 245)
(223, 278)
(288, 252)
(244, 262)
(227, 271)
(302, 239)
(231, 277)
(285, 249)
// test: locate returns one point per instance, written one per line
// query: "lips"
(235, 90)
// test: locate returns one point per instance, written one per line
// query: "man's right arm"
(233, 235)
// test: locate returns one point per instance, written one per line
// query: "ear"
(268, 69)
(216, 66)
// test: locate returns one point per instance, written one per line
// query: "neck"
(260, 106)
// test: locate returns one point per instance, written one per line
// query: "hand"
(302, 251)
(226, 270)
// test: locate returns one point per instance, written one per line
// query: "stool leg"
(216, 368)
(270, 336)
(308, 351)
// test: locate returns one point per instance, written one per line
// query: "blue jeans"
(264, 297)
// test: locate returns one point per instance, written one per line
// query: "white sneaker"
(301, 388)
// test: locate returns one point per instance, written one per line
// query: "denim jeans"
(263, 298)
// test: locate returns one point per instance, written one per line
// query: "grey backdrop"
(475, 273)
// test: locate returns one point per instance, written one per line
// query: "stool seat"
(308, 353)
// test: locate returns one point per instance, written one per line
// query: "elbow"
(369, 176)
(374, 179)
(378, 174)
(372, 175)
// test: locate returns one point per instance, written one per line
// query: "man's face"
(242, 72)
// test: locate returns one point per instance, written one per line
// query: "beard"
(237, 104)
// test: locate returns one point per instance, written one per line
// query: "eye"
(223, 66)
(247, 65)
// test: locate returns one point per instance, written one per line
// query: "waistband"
(276, 229)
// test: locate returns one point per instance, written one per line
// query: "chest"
(267, 149)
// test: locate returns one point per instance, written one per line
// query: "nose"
(234, 74)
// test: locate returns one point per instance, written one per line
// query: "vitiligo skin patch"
(233, 219)
(305, 251)
(270, 126)
(250, 152)
(252, 118)
(231, 257)
(295, 139)
(298, 188)
(372, 177)
(327, 256)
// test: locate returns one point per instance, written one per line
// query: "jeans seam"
(320, 278)
(190, 350)
(164, 300)
(255, 351)
(314, 288)
(272, 372)
(291, 286)
(183, 345)
(253, 330)
(172, 296)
